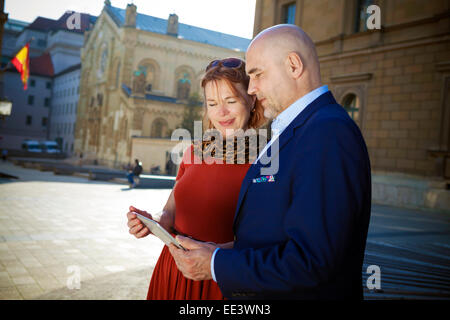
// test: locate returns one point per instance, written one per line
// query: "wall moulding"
(385, 48)
(442, 66)
(351, 77)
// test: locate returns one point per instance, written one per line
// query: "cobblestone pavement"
(53, 228)
(56, 228)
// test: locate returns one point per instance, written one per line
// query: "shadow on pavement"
(10, 171)
(124, 285)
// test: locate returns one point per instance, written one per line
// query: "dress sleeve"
(187, 156)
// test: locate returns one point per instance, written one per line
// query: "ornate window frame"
(192, 77)
(357, 84)
(157, 72)
(164, 131)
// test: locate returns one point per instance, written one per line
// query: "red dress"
(206, 196)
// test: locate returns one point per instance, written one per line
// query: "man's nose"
(251, 88)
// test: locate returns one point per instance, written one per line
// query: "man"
(302, 233)
(137, 170)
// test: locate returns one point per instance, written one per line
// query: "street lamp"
(5, 108)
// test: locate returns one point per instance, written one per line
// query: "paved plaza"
(56, 229)
(65, 237)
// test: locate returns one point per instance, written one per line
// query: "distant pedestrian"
(4, 154)
(170, 168)
(137, 170)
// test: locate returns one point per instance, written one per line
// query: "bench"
(155, 182)
(103, 175)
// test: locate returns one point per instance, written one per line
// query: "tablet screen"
(158, 230)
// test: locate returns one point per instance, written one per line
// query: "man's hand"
(195, 263)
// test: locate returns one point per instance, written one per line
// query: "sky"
(234, 17)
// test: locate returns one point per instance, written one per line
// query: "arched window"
(184, 77)
(145, 77)
(351, 105)
(150, 78)
(183, 87)
(102, 60)
(159, 128)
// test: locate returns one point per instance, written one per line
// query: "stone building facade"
(137, 74)
(66, 86)
(53, 48)
(394, 81)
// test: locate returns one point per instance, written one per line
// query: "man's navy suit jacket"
(303, 235)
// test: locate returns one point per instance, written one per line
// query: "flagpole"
(9, 62)
(3, 19)
(6, 67)
(28, 42)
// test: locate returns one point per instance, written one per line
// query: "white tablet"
(158, 230)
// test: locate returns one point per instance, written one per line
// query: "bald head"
(280, 40)
(283, 66)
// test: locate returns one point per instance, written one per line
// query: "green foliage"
(192, 113)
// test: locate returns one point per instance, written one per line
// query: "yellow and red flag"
(22, 63)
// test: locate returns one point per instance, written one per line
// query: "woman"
(204, 198)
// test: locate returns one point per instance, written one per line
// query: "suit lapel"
(325, 99)
(255, 169)
(251, 173)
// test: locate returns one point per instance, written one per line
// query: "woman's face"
(225, 110)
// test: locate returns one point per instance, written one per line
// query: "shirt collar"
(290, 113)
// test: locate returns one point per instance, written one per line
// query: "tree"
(191, 113)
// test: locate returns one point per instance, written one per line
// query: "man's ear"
(294, 65)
